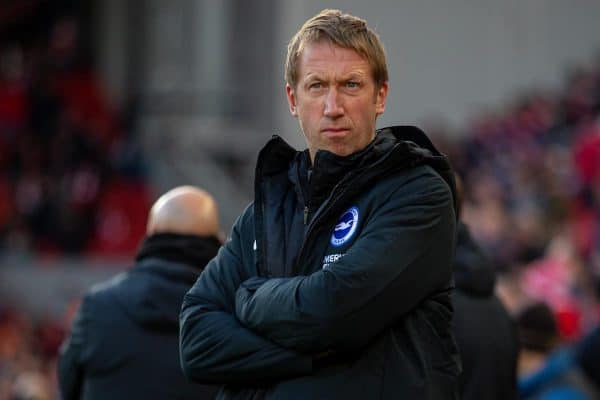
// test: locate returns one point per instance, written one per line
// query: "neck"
(187, 249)
(530, 362)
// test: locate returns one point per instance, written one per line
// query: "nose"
(333, 104)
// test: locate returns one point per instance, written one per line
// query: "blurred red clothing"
(121, 218)
(86, 104)
(586, 153)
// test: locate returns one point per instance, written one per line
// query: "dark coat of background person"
(588, 356)
(485, 333)
(124, 341)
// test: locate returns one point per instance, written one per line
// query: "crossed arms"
(239, 328)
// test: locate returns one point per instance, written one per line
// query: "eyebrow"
(343, 78)
(352, 75)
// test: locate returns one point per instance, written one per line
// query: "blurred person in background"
(30, 386)
(485, 332)
(548, 370)
(123, 342)
(588, 348)
(588, 356)
(336, 282)
(25, 364)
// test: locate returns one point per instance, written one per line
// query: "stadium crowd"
(532, 183)
(67, 157)
(72, 182)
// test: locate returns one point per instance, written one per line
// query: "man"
(335, 282)
(485, 332)
(547, 369)
(124, 339)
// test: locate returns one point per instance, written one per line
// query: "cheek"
(366, 112)
(312, 109)
(309, 114)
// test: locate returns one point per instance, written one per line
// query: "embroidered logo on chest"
(345, 227)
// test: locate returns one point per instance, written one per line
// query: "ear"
(291, 98)
(381, 98)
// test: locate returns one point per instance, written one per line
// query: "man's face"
(335, 99)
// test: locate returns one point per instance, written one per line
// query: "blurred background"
(106, 104)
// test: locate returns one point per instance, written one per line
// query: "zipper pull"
(305, 215)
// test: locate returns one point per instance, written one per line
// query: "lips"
(333, 133)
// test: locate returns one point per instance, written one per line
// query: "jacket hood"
(473, 270)
(154, 292)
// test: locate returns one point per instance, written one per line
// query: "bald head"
(185, 210)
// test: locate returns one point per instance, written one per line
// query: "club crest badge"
(345, 227)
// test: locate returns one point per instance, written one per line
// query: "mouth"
(334, 133)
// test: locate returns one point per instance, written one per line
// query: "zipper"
(326, 206)
(258, 193)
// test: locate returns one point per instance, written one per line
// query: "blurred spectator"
(485, 333)
(546, 370)
(27, 356)
(30, 386)
(13, 100)
(484, 330)
(588, 356)
(588, 348)
(561, 281)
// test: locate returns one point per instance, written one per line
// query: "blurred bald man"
(124, 339)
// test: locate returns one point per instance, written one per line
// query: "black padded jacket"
(333, 286)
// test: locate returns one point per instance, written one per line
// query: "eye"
(352, 84)
(315, 85)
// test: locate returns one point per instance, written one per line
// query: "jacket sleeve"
(214, 346)
(71, 357)
(402, 256)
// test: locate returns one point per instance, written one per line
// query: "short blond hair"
(343, 30)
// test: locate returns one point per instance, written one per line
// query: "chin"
(341, 151)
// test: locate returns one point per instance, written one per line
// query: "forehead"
(325, 57)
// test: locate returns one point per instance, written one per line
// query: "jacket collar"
(277, 154)
(410, 146)
(194, 251)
